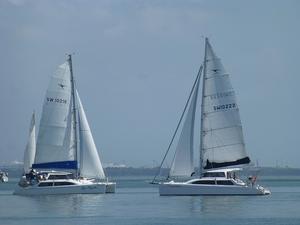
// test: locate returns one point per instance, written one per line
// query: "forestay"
(90, 164)
(222, 136)
(55, 143)
(182, 164)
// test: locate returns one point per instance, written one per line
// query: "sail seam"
(223, 94)
(218, 76)
(222, 128)
(225, 110)
(240, 143)
(53, 126)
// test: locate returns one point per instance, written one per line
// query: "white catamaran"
(64, 160)
(222, 148)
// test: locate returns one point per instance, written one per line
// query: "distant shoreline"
(16, 171)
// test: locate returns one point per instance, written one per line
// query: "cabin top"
(221, 172)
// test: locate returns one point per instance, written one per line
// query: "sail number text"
(57, 100)
(225, 106)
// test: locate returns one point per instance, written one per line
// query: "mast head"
(69, 57)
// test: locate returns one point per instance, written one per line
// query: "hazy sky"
(135, 62)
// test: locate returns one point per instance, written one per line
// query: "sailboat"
(222, 147)
(64, 159)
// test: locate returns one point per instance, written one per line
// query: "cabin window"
(62, 183)
(55, 177)
(224, 182)
(70, 176)
(45, 184)
(214, 174)
(209, 182)
(60, 176)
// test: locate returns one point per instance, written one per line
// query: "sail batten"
(221, 128)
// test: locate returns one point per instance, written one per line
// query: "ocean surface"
(138, 202)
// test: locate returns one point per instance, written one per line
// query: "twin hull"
(198, 189)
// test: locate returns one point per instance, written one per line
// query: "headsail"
(90, 164)
(55, 142)
(30, 147)
(222, 136)
(182, 164)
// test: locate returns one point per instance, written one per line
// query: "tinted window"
(204, 182)
(54, 177)
(62, 183)
(224, 182)
(45, 184)
(57, 177)
(70, 176)
(214, 174)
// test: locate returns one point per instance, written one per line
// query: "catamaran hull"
(55, 190)
(169, 189)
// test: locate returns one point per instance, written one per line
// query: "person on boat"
(32, 175)
(40, 177)
(252, 180)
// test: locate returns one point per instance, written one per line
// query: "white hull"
(91, 188)
(177, 188)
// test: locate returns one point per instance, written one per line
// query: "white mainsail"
(56, 146)
(90, 164)
(29, 153)
(222, 136)
(182, 164)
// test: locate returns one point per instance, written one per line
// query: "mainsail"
(182, 164)
(56, 147)
(30, 147)
(222, 136)
(90, 164)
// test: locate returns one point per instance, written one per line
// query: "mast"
(74, 109)
(202, 110)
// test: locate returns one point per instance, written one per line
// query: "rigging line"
(185, 107)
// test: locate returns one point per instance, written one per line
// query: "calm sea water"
(137, 202)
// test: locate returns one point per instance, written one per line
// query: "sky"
(135, 62)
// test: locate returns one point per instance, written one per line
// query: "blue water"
(137, 202)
